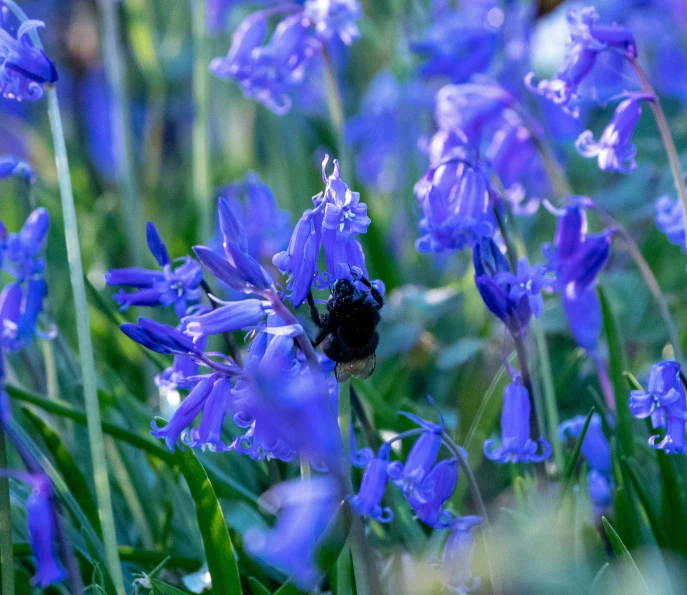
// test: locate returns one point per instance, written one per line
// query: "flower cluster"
(24, 69)
(267, 71)
(21, 302)
(587, 40)
(332, 225)
(597, 452)
(665, 403)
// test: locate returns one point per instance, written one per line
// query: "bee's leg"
(321, 336)
(374, 291)
(314, 312)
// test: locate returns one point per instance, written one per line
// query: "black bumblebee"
(348, 331)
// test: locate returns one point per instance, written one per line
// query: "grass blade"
(624, 555)
(219, 550)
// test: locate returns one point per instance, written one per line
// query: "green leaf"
(616, 366)
(572, 463)
(257, 587)
(630, 467)
(624, 556)
(67, 467)
(632, 382)
(288, 588)
(219, 550)
(165, 589)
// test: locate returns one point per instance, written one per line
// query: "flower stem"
(201, 141)
(90, 390)
(121, 118)
(6, 554)
(666, 137)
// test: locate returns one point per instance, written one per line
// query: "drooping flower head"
(457, 557)
(516, 444)
(587, 40)
(9, 166)
(334, 223)
(22, 252)
(174, 285)
(614, 149)
(41, 519)
(24, 69)
(305, 509)
(268, 71)
(368, 501)
(595, 448)
(511, 298)
(576, 258)
(665, 402)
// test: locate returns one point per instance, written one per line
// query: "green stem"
(6, 554)
(121, 118)
(666, 137)
(90, 388)
(201, 143)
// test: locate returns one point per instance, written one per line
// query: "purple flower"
(577, 258)
(368, 501)
(171, 286)
(41, 520)
(9, 166)
(456, 200)
(664, 400)
(459, 44)
(209, 433)
(428, 502)
(600, 491)
(457, 557)
(231, 316)
(266, 72)
(587, 40)
(160, 338)
(21, 250)
(24, 69)
(182, 374)
(595, 448)
(299, 261)
(305, 509)
(265, 225)
(516, 444)
(511, 298)
(334, 18)
(19, 311)
(615, 150)
(409, 477)
(670, 219)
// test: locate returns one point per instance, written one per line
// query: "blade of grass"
(568, 476)
(257, 587)
(219, 550)
(624, 555)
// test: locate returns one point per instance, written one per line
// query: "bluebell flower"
(368, 500)
(182, 374)
(457, 557)
(456, 201)
(24, 69)
(587, 40)
(595, 448)
(9, 166)
(438, 486)
(267, 227)
(237, 269)
(231, 316)
(577, 258)
(20, 308)
(305, 509)
(458, 43)
(516, 444)
(334, 18)
(41, 520)
(22, 251)
(615, 150)
(670, 219)
(173, 285)
(209, 433)
(665, 402)
(299, 261)
(409, 476)
(511, 298)
(267, 72)
(160, 338)
(600, 491)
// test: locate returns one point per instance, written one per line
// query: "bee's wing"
(362, 368)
